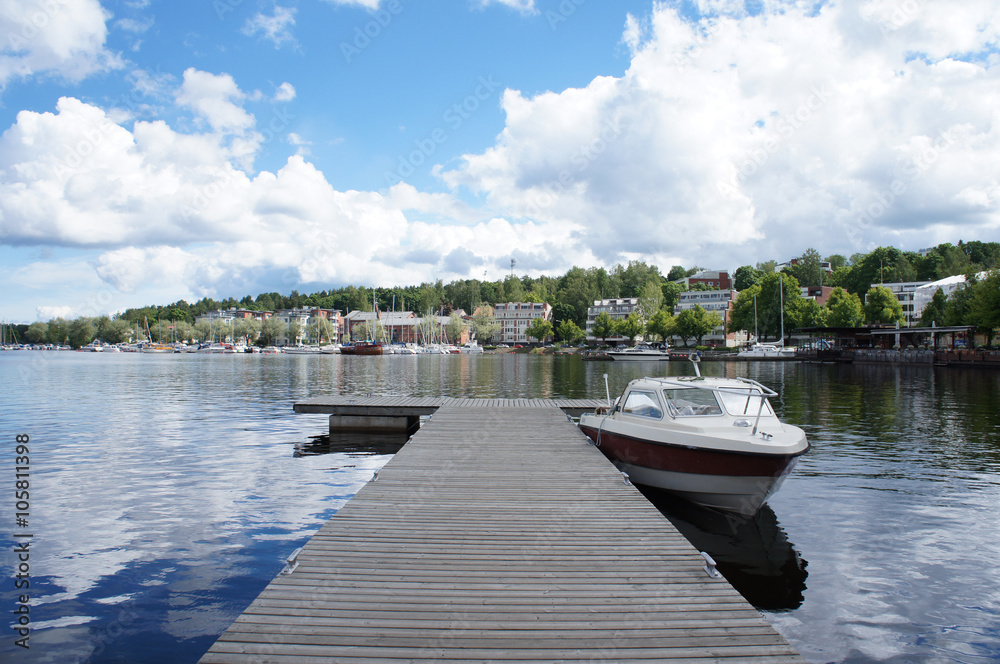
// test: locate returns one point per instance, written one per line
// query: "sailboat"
(371, 346)
(150, 347)
(769, 350)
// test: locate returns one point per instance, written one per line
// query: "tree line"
(762, 287)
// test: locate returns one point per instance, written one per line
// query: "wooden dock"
(498, 534)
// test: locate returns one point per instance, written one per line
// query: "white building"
(618, 308)
(715, 301)
(516, 317)
(301, 317)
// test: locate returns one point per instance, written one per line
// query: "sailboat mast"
(781, 311)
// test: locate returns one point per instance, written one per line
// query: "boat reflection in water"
(753, 553)
(355, 444)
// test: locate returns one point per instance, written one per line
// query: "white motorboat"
(766, 350)
(639, 353)
(713, 441)
(471, 348)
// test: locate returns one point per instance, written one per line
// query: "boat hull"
(639, 357)
(362, 349)
(726, 480)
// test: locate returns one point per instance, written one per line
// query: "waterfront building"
(712, 278)
(618, 308)
(715, 301)
(516, 317)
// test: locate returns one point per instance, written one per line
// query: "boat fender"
(710, 566)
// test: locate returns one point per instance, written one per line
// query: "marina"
(498, 534)
(168, 491)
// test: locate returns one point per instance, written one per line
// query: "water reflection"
(754, 553)
(352, 444)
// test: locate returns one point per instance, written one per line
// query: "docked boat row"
(714, 441)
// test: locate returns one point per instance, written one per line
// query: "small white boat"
(639, 353)
(713, 441)
(471, 348)
(302, 350)
(766, 350)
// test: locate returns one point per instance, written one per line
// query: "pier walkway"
(498, 534)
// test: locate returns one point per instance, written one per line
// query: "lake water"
(166, 492)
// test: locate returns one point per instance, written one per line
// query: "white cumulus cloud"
(746, 137)
(64, 39)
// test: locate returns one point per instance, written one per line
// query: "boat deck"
(498, 534)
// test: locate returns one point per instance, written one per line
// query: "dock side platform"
(499, 534)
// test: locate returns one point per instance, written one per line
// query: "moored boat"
(713, 441)
(362, 348)
(766, 350)
(639, 353)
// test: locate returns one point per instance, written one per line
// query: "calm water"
(166, 492)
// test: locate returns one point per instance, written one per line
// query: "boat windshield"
(744, 401)
(684, 402)
(643, 404)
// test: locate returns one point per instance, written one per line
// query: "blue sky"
(154, 151)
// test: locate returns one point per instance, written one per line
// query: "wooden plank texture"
(498, 534)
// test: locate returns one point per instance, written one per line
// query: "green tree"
(745, 277)
(836, 261)
(676, 272)
(766, 314)
(882, 307)
(844, 309)
(270, 330)
(650, 300)
(58, 331)
(661, 325)
(81, 332)
(539, 329)
(671, 295)
(570, 332)
(183, 330)
(808, 269)
(984, 306)
(629, 327)
(695, 323)
(810, 314)
(116, 331)
(37, 332)
(604, 326)
(484, 324)
(202, 331)
(294, 333)
(934, 311)
(456, 327)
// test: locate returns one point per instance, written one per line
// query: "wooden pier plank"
(498, 533)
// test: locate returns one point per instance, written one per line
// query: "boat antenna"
(607, 390)
(695, 359)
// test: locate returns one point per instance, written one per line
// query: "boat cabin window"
(642, 404)
(691, 401)
(744, 401)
